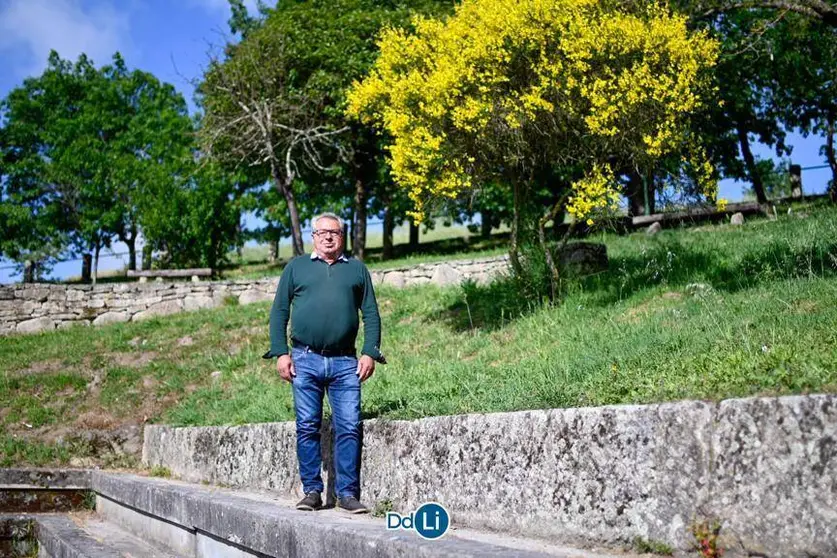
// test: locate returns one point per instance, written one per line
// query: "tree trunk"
(146, 256)
(29, 268)
(635, 195)
(831, 129)
(273, 251)
(385, 196)
(414, 237)
(96, 263)
(285, 187)
(486, 223)
(86, 265)
(650, 193)
(359, 236)
(514, 245)
(554, 275)
(389, 228)
(795, 172)
(750, 163)
(239, 233)
(132, 252)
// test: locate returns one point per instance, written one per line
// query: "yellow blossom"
(542, 80)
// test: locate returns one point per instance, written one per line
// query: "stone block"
(171, 513)
(774, 476)
(30, 306)
(63, 317)
(36, 294)
(36, 325)
(111, 318)
(766, 468)
(75, 295)
(53, 307)
(653, 229)
(163, 308)
(583, 258)
(44, 478)
(73, 323)
(395, 279)
(252, 295)
(737, 219)
(445, 275)
(198, 302)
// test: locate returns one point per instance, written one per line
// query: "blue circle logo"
(431, 521)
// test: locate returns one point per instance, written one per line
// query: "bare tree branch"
(816, 9)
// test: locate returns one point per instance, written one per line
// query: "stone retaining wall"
(41, 306)
(765, 468)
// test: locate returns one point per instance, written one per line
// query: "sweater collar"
(316, 256)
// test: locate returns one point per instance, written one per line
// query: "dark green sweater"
(322, 302)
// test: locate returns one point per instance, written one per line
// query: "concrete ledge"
(71, 479)
(59, 537)
(259, 525)
(42, 500)
(43, 490)
(766, 468)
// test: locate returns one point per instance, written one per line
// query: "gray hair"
(327, 215)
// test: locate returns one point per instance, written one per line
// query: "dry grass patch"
(133, 360)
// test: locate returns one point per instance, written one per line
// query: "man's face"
(328, 238)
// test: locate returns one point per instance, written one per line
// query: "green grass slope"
(709, 312)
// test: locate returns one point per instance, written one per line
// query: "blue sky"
(172, 38)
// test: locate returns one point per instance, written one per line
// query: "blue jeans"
(316, 374)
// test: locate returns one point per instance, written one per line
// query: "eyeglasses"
(328, 233)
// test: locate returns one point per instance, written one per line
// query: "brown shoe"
(311, 502)
(351, 505)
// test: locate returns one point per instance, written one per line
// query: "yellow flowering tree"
(507, 88)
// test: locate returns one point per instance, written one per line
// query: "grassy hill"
(707, 312)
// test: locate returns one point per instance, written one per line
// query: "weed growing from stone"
(706, 535)
(650, 546)
(382, 507)
(160, 471)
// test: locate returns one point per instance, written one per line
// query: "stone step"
(202, 521)
(43, 490)
(87, 535)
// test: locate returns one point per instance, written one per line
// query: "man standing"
(321, 294)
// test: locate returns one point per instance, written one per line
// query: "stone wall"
(41, 306)
(765, 468)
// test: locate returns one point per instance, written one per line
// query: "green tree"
(314, 59)
(560, 92)
(40, 195)
(820, 10)
(83, 144)
(805, 81)
(154, 133)
(258, 116)
(191, 214)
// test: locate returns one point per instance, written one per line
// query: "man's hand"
(285, 367)
(365, 367)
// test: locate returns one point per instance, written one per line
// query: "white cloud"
(29, 29)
